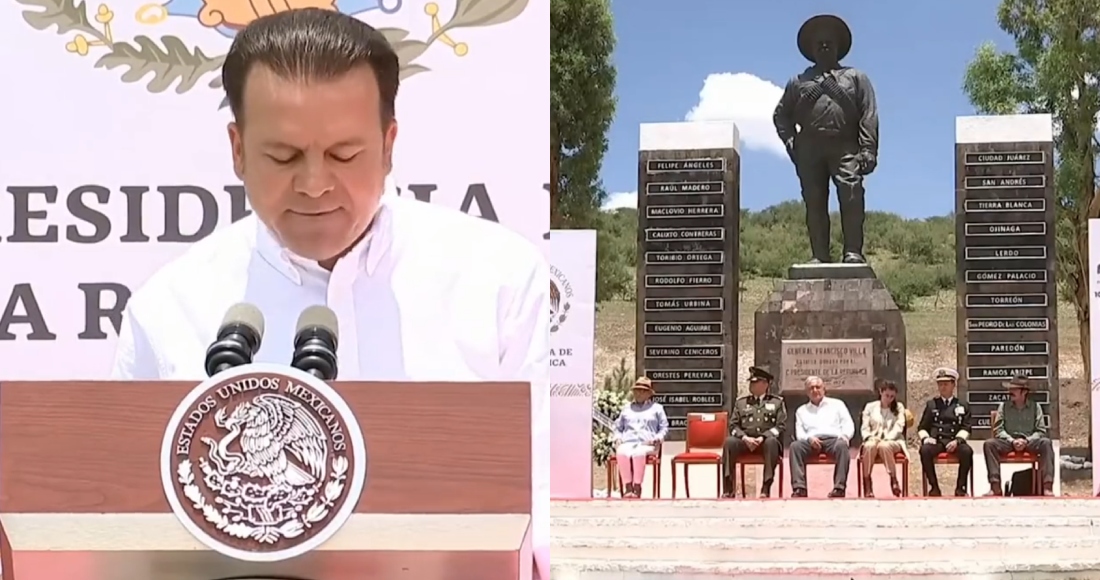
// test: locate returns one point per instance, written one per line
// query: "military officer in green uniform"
(756, 426)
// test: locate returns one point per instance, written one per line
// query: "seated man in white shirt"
(824, 425)
(422, 293)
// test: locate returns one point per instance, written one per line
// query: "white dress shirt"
(431, 294)
(830, 418)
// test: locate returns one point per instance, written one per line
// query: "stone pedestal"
(688, 217)
(835, 321)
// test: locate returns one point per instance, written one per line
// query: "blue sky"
(730, 58)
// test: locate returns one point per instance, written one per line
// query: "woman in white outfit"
(641, 427)
(883, 431)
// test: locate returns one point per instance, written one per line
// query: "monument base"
(842, 325)
(830, 271)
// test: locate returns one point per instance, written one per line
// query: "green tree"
(582, 103)
(915, 258)
(1055, 70)
(617, 255)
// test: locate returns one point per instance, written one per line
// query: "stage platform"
(704, 481)
(930, 539)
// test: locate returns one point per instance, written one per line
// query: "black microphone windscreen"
(247, 315)
(318, 316)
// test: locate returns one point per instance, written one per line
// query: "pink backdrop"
(572, 340)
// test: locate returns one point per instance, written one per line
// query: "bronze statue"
(828, 121)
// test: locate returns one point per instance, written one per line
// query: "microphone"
(238, 339)
(315, 343)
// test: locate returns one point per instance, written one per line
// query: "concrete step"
(829, 508)
(963, 527)
(925, 538)
(677, 570)
(822, 551)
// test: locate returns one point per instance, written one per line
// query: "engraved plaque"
(983, 276)
(684, 234)
(1009, 324)
(1001, 396)
(1007, 229)
(698, 281)
(683, 328)
(685, 211)
(1006, 253)
(1005, 300)
(1007, 348)
(684, 187)
(1006, 372)
(844, 364)
(1006, 182)
(1003, 205)
(714, 351)
(1006, 158)
(675, 304)
(685, 375)
(684, 165)
(677, 422)
(689, 399)
(684, 257)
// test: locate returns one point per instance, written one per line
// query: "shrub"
(609, 401)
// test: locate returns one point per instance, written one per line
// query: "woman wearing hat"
(641, 427)
(883, 431)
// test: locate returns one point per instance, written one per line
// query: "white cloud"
(745, 99)
(621, 199)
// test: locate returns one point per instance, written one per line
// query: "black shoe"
(799, 493)
(728, 495)
(960, 492)
(766, 489)
(935, 492)
(853, 258)
(837, 492)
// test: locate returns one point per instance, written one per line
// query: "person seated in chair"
(823, 425)
(641, 427)
(944, 427)
(1019, 426)
(883, 431)
(756, 426)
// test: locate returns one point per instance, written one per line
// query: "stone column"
(688, 221)
(1007, 292)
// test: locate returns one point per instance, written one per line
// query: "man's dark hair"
(310, 44)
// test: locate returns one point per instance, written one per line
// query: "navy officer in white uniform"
(422, 293)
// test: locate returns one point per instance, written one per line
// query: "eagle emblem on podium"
(263, 463)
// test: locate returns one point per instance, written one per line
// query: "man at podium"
(421, 293)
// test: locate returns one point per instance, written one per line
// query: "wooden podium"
(447, 493)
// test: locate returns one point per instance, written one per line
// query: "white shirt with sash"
(431, 294)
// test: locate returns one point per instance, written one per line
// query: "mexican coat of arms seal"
(263, 463)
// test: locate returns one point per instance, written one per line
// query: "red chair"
(901, 461)
(946, 459)
(653, 459)
(757, 458)
(706, 433)
(818, 459)
(1022, 457)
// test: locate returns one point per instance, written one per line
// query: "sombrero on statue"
(824, 22)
